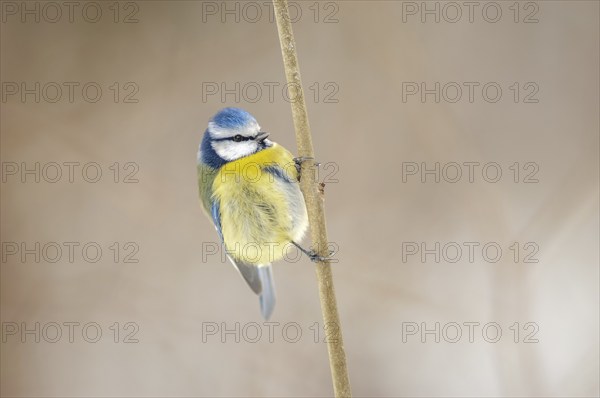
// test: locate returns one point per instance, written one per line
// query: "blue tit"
(249, 189)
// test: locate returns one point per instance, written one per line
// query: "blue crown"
(232, 118)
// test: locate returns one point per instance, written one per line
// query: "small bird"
(249, 188)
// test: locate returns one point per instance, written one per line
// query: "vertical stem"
(314, 203)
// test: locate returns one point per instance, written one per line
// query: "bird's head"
(234, 133)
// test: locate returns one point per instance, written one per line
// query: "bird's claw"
(301, 159)
(315, 258)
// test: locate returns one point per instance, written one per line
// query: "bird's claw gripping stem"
(301, 159)
(313, 256)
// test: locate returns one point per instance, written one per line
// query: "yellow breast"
(256, 218)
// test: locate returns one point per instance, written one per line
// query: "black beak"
(261, 136)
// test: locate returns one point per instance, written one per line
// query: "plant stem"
(314, 204)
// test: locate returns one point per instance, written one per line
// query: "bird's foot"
(313, 256)
(301, 159)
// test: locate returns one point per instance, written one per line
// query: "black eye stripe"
(236, 138)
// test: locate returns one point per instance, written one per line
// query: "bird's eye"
(238, 138)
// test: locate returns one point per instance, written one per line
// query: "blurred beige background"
(173, 54)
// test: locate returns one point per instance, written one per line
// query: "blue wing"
(278, 172)
(216, 216)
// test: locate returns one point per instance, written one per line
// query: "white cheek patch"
(230, 150)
